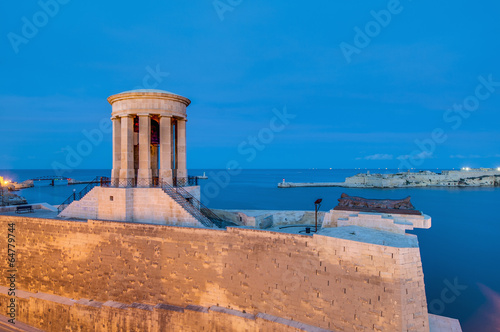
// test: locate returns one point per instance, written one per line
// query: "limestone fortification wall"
(318, 280)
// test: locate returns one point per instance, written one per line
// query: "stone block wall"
(148, 205)
(195, 191)
(394, 223)
(86, 208)
(255, 218)
(323, 281)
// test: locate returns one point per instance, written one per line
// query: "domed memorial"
(149, 180)
(149, 137)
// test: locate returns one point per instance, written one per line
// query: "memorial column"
(181, 151)
(144, 174)
(166, 149)
(115, 173)
(127, 172)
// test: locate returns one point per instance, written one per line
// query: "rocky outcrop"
(472, 178)
(482, 177)
(7, 199)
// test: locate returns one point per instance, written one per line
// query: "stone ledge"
(169, 307)
(20, 326)
(117, 305)
(291, 323)
(142, 306)
(89, 303)
(443, 324)
(197, 308)
(200, 309)
(232, 312)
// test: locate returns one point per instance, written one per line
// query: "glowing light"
(3, 182)
(498, 169)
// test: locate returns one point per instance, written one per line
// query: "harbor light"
(3, 182)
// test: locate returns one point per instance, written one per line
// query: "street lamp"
(317, 205)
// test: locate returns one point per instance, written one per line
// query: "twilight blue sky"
(377, 107)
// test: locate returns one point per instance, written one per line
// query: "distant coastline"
(480, 177)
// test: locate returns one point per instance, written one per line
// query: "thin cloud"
(474, 156)
(378, 156)
(421, 155)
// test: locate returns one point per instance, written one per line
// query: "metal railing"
(185, 182)
(98, 181)
(152, 183)
(197, 205)
(187, 205)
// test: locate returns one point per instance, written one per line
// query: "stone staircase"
(187, 204)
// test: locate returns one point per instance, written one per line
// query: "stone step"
(188, 207)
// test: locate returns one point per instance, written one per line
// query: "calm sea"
(460, 253)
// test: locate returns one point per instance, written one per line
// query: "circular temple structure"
(149, 137)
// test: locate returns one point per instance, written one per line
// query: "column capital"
(125, 115)
(144, 114)
(164, 116)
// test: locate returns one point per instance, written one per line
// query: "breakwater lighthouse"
(149, 138)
